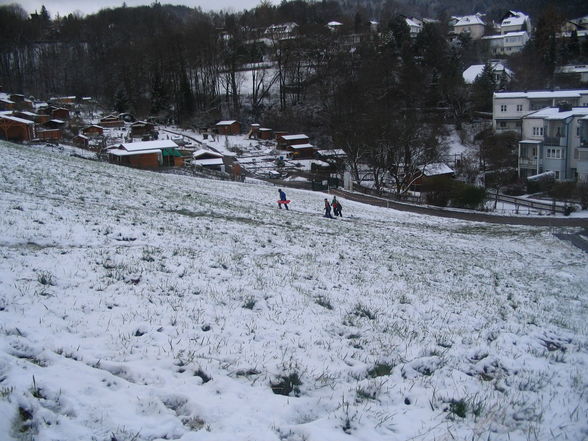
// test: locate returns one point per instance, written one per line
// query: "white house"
(515, 29)
(499, 71)
(515, 21)
(472, 25)
(580, 71)
(555, 139)
(509, 108)
(414, 25)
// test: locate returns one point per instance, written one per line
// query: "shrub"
(467, 196)
(286, 384)
(381, 370)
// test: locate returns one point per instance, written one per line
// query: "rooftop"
(543, 94)
(553, 113)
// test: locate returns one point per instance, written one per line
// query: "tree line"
(373, 90)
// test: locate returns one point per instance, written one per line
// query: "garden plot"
(144, 306)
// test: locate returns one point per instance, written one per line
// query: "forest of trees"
(380, 94)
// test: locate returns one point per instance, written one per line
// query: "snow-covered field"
(144, 306)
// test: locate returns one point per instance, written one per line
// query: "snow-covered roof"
(435, 169)
(411, 23)
(211, 161)
(332, 153)
(57, 121)
(226, 123)
(119, 152)
(530, 141)
(515, 34)
(492, 37)
(16, 119)
(6, 100)
(302, 146)
(472, 72)
(515, 19)
(469, 20)
(543, 94)
(148, 145)
(293, 137)
(546, 174)
(553, 113)
(334, 23)
(202, 152)
(28, 113)
(577, 68)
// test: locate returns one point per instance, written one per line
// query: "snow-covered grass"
(145, 306)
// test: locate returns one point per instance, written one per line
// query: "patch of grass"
(45, 278)
(249, 302)
(323, 301)
(363, 311)
(287, 384)
(205, 378)
(380, 370)
(458, 408)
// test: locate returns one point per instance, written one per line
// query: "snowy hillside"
(144, 306)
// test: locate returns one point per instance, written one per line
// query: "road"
(546, 221)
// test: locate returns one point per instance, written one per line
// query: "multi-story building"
(509, 108)
(515, 28)
(555, 139)
(472, 25)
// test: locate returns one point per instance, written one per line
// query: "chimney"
(564, 106)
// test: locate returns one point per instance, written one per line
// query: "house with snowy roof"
(472, 25)
(284, 140)
(146, 154)
(500, 73)
(228, 127)
(415, 26)
(17, 129)
(514, 21)
(555, 139)
(208, 159)
(515, 30)
(509, 108)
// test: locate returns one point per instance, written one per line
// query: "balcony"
(556, 141)
(527, 162)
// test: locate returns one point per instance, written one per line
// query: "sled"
(283, 202)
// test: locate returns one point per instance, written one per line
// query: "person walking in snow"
(336, 207)
(282, 198)
(327, 209)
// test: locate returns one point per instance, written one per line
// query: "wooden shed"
(17, 129)
(230, 127)
(111, 121)
(140, 129)
(81, 141)
(265, 133)
(302, 151)
(60, 113)
(93, 130)
(208, 159)
(146, 154)
(285, 141)
(6, 104)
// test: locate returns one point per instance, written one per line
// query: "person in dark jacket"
(336, 207)
(327, 209)
(282, 198)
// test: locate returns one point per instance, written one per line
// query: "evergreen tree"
(483, 88)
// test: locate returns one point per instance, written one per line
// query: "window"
(502, 124)
(519, 107)
(578, 131)
(503, 107)
(553, 153)
(557, 174)
(537, 131)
